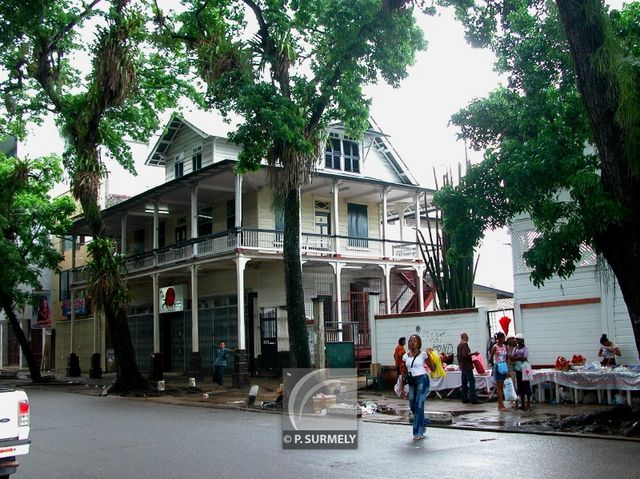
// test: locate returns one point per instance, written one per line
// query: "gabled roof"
(501, 294)
(380, 141)
(162, 144)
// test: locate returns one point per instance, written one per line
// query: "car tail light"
(23, 412)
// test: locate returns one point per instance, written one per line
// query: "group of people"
(508, 357)
(414, 365)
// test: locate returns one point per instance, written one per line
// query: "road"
(79, 436)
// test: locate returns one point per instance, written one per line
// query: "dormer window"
(178, 166)
(342, 154)
(196, 158)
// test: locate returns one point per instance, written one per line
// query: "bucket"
(161, 385)
(192, 382)
(388, 377)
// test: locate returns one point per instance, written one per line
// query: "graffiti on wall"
(437, 340)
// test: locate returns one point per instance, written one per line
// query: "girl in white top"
(414, 363)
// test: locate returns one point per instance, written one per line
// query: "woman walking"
(413, 367)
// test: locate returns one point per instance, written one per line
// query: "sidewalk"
(376, 406)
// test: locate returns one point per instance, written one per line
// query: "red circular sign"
(170, 297)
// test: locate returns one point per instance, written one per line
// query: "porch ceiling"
(217, 182)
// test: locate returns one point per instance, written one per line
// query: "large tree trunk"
(619, 243)
(128, 377)
(34, 367)
(296, 317)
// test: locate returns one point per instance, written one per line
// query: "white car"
(14, 429)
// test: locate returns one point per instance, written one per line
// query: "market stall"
(602, 380)
(452, 380)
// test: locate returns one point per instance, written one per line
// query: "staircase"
(411, 280)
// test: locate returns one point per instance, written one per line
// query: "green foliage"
(536, 133)
(130, 77)
(104, 279)
(28, 219)
(303, 69)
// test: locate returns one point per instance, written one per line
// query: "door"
(269, 337)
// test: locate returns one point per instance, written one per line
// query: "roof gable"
(162, 144)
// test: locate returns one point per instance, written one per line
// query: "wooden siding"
(225, 150)
(561, 331)
(184, 143)
(583, 284)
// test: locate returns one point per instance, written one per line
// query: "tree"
(28, 219)
(452, 277)
(562, 138)
(303, 69)
(43, 51)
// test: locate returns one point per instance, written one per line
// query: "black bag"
(408, 378)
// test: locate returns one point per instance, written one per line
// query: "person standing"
(399, 353)
(498, 357)
(221, 356)
(413, 364)
(608, 351)
(465, 361)
(520, 355)
(511, 345)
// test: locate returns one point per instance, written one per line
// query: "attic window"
(196, 158)
(341, 153)
(178, 166)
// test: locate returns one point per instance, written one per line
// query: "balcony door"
(357, 225)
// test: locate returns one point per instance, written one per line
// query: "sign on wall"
(172, 298)
(41, 312)
(82, 307)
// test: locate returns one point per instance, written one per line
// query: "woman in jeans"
(499, 356)
(415, 363)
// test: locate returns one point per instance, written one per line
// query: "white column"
(123, 234)
(387, 286)
(374, 305)
(156, 225)
(194, 216)
(385, 247)
(156, 313)
(241, 262)
(420, 286)
(335, 221)
(337, 269)
(238, 210)
(417, 203)
(195, 338)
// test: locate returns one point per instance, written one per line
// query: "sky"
(444, 79)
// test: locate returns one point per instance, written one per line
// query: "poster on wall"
(41, 318)
(172, 298)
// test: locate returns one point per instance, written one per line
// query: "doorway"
(269, 337)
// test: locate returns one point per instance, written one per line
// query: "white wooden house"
(568, 316)
(204, 249)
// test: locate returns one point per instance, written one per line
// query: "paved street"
(80, 436)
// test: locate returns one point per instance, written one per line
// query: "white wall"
(569, 315)
(437, 330)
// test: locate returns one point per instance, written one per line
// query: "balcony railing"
(271, 241)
